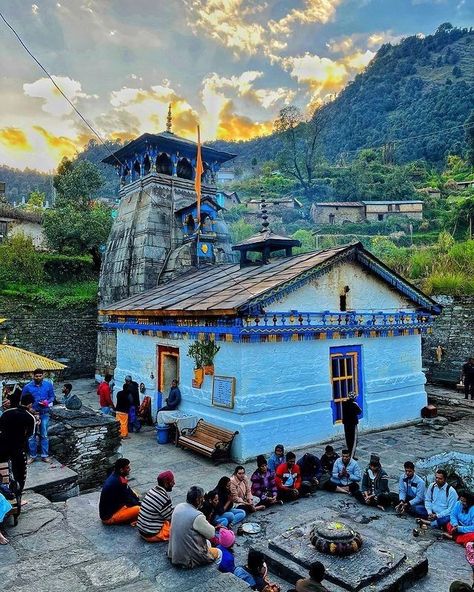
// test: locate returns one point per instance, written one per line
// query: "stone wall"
(86, 441)
(453, 332)
(66, 335)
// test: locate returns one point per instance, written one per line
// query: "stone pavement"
(63, 547)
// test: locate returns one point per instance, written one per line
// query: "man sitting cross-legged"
(411, 493)
(346, 475)
(440, 500)
(374, 490)
(154, 518)
(288, 478)
(118, 503)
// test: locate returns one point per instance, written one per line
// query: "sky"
(230, 65)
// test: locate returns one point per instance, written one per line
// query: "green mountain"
(416, 94)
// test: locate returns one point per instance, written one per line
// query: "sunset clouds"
(230, 65)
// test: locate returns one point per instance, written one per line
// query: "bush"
(63, 268)
(421, 263)
(19, 261)
(454, 284)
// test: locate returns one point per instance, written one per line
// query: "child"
(226, 563)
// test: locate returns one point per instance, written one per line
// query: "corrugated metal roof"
(337, 204)
(14, 360)
(222, 289)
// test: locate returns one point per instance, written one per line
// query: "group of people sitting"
(201, 530)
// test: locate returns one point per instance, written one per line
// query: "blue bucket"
(162, 434)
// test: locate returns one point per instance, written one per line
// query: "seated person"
(459, 586)
(288, 478)
(313, 583)
(345, 476)
(255, 573)
(241, 493)
(374, 490)
(154, 517)
(118, 503)
(174, 398)
(328, 459)
(190, 534)
(226, 539)
(311, 472)
(411, 492)
(461, 521)
(263, 483)
(276, 458)
(440, 500)
(225, 506)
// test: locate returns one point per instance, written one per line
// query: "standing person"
(468, 378)
(105, 395)
(288, 478)
(263, 484)
(189, 544)
(174, 398)
(43, 395)
(156, 509)
(134, 392)
(276, 458)
(121, 410)
(311, 472)
(350, 420)
(374, 490)
(118, 503)
(461, 521)
(440, 500)
(411, 492)
(346, 475)
(241, 493)
(17, 425)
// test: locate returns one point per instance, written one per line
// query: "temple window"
(190, 224)
(185, 169)
(163, 164)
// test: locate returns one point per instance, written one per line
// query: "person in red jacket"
(105, 395)
(288, 478)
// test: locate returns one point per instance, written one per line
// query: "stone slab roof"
(229, 289)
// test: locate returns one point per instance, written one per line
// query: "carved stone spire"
(169, 120)
(263, 209)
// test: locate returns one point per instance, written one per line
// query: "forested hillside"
(416, 94)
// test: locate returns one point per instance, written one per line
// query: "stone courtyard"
(62, 546)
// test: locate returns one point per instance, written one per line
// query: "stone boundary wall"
(66, 335)
(453, 332)
(86, 441)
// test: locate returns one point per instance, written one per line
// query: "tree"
(35, 201)
(469, 134)
(298, 158)
(78, 224)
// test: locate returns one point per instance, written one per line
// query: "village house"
(225, 174)
(15, 221)
(227, 199)
(340, 212)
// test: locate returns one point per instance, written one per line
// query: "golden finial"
(169, 120)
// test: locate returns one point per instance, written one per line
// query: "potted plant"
(209, 351)
(195, 352)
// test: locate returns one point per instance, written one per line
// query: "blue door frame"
(345, 370)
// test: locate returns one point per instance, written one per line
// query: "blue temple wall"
(283, 390)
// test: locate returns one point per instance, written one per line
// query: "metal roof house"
(297, 334)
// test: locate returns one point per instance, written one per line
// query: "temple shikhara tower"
(153, 238)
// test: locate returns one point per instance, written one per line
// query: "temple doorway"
(168, 368)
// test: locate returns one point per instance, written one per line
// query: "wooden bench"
(5, 480)
(208, 439)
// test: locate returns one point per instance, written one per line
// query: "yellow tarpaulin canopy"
(14, 360)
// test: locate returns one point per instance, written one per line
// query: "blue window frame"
(346, 377)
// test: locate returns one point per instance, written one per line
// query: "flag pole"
(197, 187)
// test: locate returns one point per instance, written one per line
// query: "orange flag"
(197, 180)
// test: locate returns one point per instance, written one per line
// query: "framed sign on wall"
(223, 391)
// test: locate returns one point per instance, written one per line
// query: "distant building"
(465, 184)
(225, 174)
(430, 191)
(341, 212)
(15, 221)
(254, 205)
(227, 199)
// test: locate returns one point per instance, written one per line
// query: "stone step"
(53, 480)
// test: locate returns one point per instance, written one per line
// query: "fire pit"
(335, 538)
